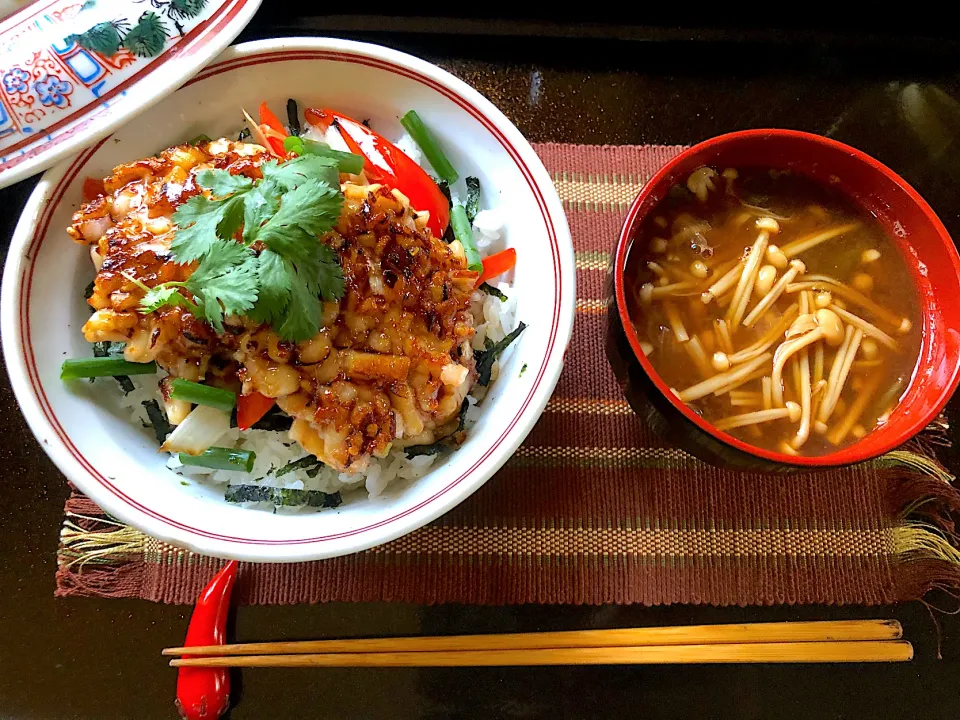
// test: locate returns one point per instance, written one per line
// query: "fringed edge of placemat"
(926, 542)
(99, 556)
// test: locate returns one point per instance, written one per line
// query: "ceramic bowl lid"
(72, 71)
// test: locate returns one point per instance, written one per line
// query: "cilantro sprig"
(283, 280)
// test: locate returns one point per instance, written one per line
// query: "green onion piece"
(293, 143)
(220, 458)
(463, 233)
(347, 162)
(76, 368)
(201, 138)
(198, 394)
(424, 138)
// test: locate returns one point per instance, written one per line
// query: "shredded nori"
(158, 420)
(88, 291)
(244, 135)
(445, 189)
(448, 236)
(274, 421)
(308, 463)
(472, 205)
(485, 358)
(113, 349)
(106, 348)
(431, 449)
(286, 497)
(491, 290)
(440, 445)
(293, 117)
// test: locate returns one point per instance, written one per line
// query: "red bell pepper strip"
(252, 407)
(273, 122)
(497, 264)
(387, 164)
(92, 189)
(204, 693)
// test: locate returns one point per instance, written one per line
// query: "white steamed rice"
(493, 319)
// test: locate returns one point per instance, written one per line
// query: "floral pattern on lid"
(68, 68)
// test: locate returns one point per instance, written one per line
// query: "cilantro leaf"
(275, 275)
(258, 206)
(222, 255)
(201, 220)
(323, 274)
(293, 173)
(225, 282)
(163, 295)
(302, 320)
(197, 221)
(312, 206)
(221, 183)
(231, 217)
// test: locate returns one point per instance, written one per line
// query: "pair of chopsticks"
(834, 641)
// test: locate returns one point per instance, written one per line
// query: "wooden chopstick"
(777, 632)
(798, 652)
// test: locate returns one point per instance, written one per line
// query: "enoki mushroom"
(806, 401)
(868, 329)
(850, 418)
(718, 381)
(723, 285)
(741, 296)
(769, 337)
(820, 282)
(828, 327)
(723, 336)
(791, 412)
(838, 376)
(811, 241)
(796, 267)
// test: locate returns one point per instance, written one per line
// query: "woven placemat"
(594, 508)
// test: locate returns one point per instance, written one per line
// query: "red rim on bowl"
(909, 221)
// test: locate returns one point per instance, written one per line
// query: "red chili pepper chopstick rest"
(204, 693)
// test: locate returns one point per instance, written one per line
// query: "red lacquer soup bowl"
(925, 246)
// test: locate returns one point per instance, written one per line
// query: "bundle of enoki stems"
(815, 341)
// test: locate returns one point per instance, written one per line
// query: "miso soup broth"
(775, 308)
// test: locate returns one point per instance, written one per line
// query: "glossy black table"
(895, 97)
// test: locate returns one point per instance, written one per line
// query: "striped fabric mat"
(593, 508)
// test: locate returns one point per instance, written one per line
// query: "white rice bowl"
(115, 461)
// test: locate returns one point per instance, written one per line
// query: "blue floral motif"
(15, 80)
(53, 91)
